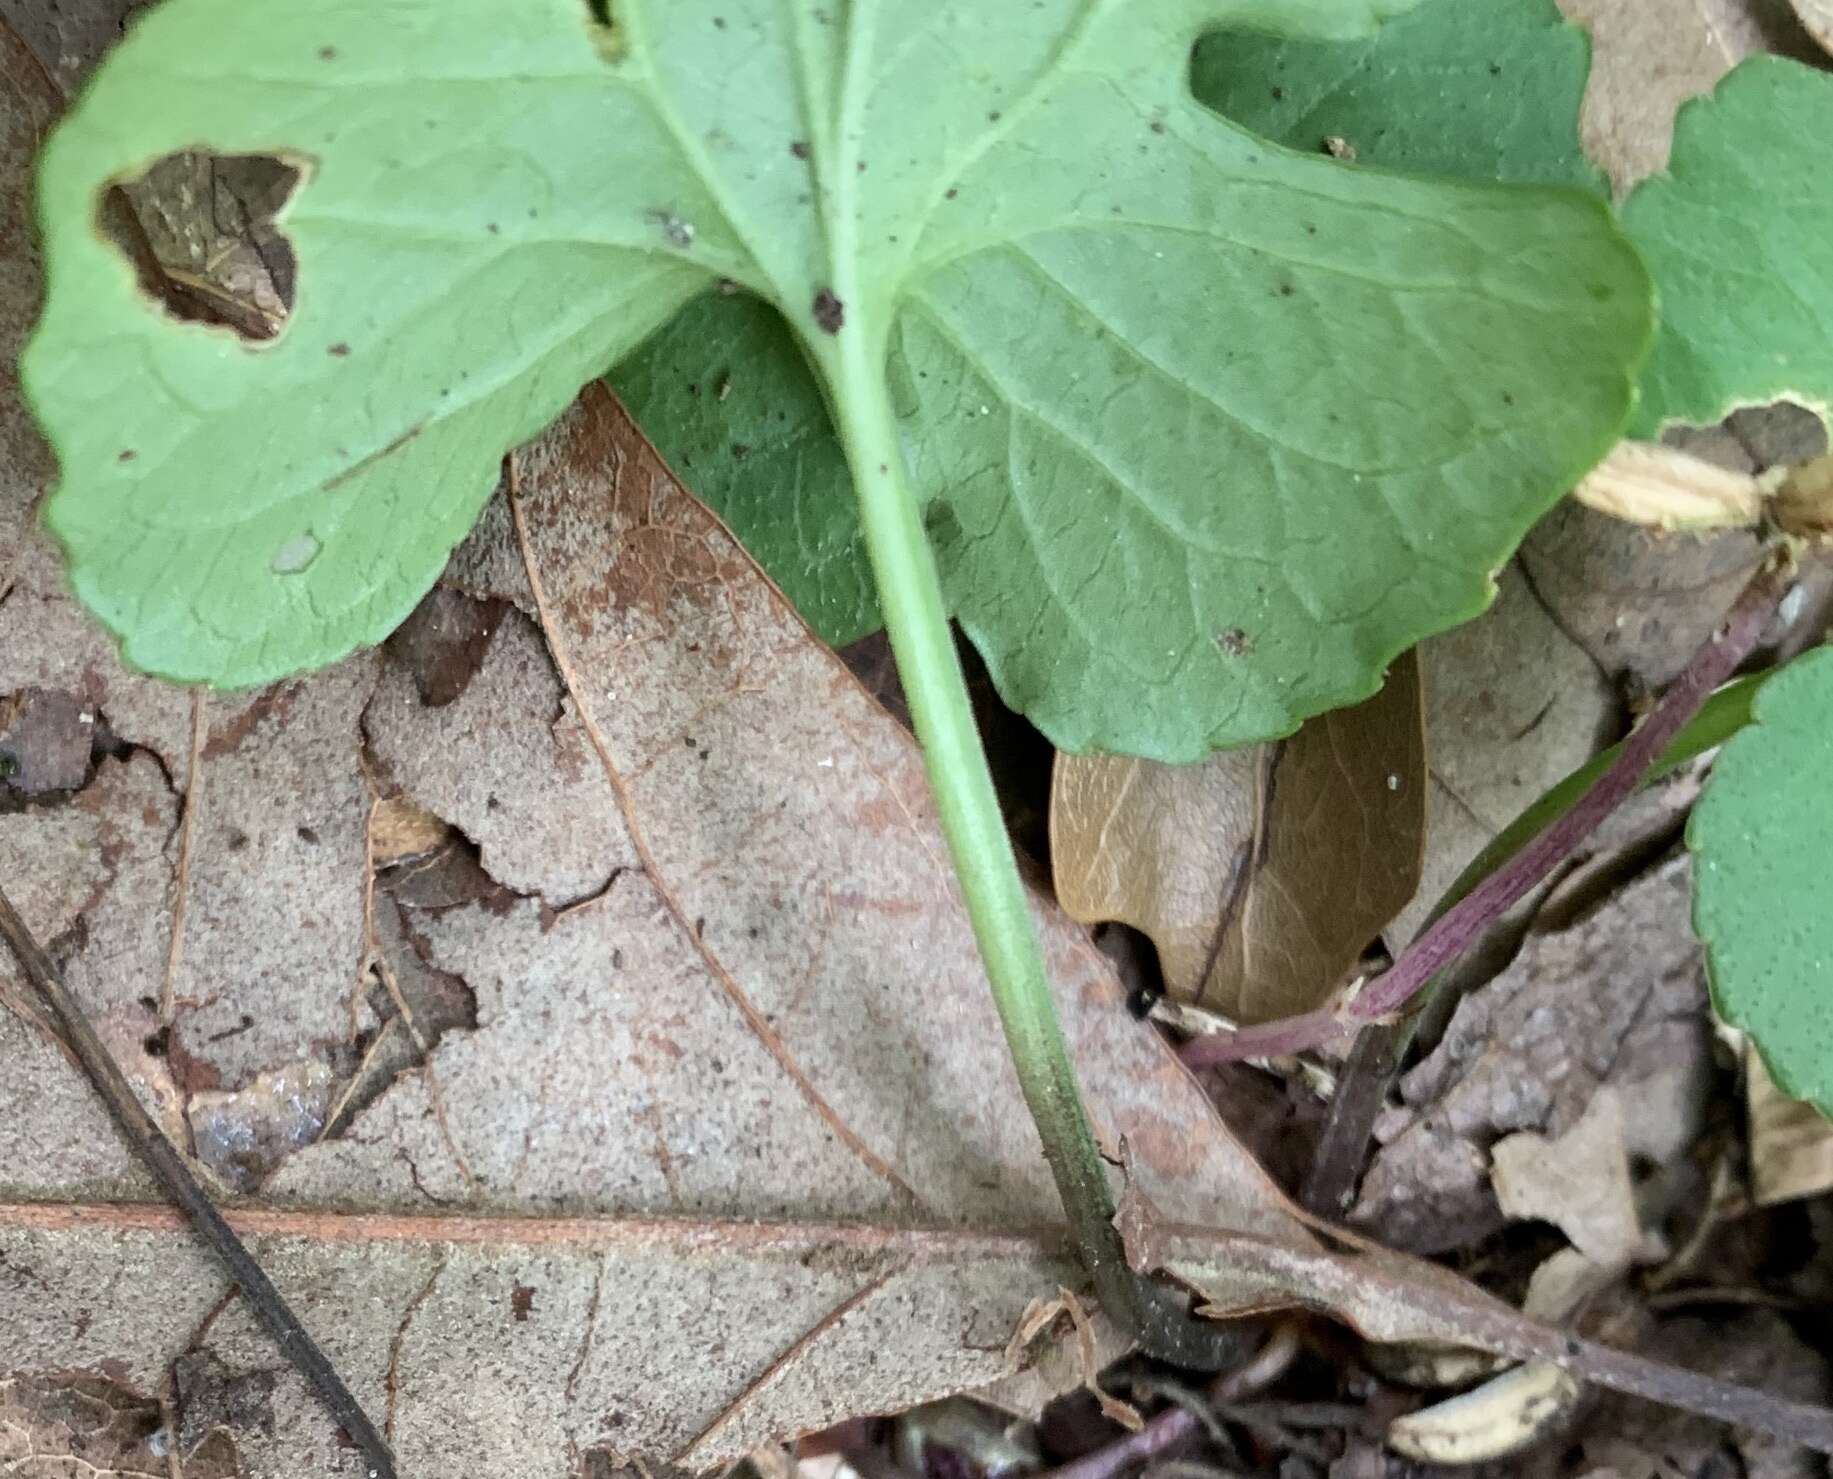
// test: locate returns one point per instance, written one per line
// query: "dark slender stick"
(1465, 922)
(145, 1136)
(1178, 1423)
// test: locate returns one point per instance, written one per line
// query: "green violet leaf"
(1210, 429)
(1474, 92)
(1763, 897)
(1739, 236)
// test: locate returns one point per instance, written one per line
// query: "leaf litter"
(354, 1217)
(1261, 874)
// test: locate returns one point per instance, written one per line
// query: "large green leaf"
(1763, 895)
(1487, 91)
(1739, 235)
(1476, 92)
(1213, 429)
(1734, 234)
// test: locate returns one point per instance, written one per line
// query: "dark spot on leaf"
(740, 451)
(719, 23)
(149, 1003)
(307, 834)
(1286, 290)
(700, 928)
(1158, 125)
(861, 166)
(799, 148)
(158, 1044)
(617, 958)
(338, 350)
(1495, 69)
(1310, 229)
(237, 841)
(1279, 94)
(1235, 642)
(727, 287)
(521, 1301)
(491, 227)
(993, 117)
(128, 454)
(677, 232)
(1508, 398)
(830, 312)
(327, 53)
(950, 193)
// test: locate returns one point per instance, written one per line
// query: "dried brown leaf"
(1513, 705)
(1647, 59)
(1579, 1181)
(1816, 17)
(1529, 1050)
(1260, 874)
(756, 1078)
(1791, 1143)
(81, 1425)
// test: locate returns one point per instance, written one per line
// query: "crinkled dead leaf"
(87, 1424)
(1260, 874)
(742, 1119)
(1579, 1181)
(1528, 1052)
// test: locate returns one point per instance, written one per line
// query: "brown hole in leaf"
(202, 234)
(601, 26)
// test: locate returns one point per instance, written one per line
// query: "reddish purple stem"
(1461, 925)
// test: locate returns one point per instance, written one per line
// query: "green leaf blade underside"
(234, 512)
(730, 399)
(1471, 92)
(1736, 234)
(1763, 903)
(1208, 429)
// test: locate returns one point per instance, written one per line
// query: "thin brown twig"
(168, 1167)
(1462, 924)
(181, 876)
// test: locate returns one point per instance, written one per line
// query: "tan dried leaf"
(733, 1126)
(1816, 18)
(1260, 874)
(1647, 59)
(1791, 1143)
(1513, 705)
(1579, 1181)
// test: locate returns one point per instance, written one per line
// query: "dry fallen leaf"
(1646, 60)
(1528, 1052)
(1816, 17)
(741, 1118)
(1579, 1181)
(1513, 705)
(1260, 874)
(1791, 1143)
(1640, 601)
